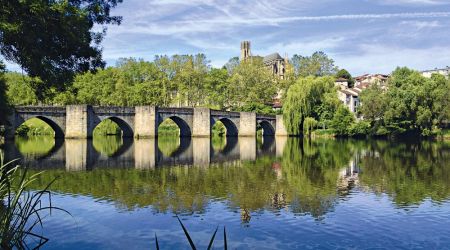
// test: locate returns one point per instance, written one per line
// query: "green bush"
(382, 131)
(23, 130)
(360, 128)
(342, 120)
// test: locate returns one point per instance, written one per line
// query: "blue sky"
(363, 36)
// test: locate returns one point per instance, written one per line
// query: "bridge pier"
(280, 129)
(247, 124)
(10, 129)
(201, 122)
(145, 122)
(79, 122)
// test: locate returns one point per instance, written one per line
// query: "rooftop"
(272, 57)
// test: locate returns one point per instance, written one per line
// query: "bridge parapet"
(266, 117)
(184, 111)
(40, 109)
(113, 110)
(79, 121)
(222, 113)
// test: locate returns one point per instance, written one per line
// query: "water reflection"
(117, 152)
(250, 175)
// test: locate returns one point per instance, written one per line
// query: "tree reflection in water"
(310, 177)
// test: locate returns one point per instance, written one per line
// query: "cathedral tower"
(245, 50)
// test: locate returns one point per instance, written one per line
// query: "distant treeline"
(408, 103)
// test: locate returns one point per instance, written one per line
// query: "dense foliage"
(318, 64)
(54, 40)
(4, 110)
(346, 75)
(310, 97)
(411, 102)
(185, 80)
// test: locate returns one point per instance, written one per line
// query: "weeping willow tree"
(309, 124)
(308, 97)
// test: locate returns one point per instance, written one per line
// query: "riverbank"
(330, 134)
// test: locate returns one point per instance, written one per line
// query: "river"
(268, 193)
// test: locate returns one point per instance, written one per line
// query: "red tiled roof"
(341, 80)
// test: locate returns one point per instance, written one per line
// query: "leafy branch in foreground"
(191, 242)
(21, 210)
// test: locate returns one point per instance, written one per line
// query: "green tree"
(4, 105)
(373, 104)
(251, 82)
(132, 82)
(342, 120)
(318, 64)
(411, 102)
(54, 40)
(216, 84)
(346, 75)
(189, 73)
(309, 124)
(309, 97)
(21, 89)
(232, 64)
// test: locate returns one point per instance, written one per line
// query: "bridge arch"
(230, 126)
(185, 129)
(126, 128)
(57, 128)
(268, 129)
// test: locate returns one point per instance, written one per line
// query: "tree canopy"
(54, 40)
(411, 102)
(184, 80)
(4, 105)
(346, 75)
(309, 97)
(318, 64)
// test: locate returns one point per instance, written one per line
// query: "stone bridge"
(79, 121)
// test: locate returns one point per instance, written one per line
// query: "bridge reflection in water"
(82, 154)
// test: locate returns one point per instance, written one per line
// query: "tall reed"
(21, 209)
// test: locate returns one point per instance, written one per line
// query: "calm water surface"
(269, 193)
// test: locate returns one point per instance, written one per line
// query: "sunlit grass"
(35, 126)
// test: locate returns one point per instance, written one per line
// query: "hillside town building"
(445, 72)
(379, 79)
(350, 96)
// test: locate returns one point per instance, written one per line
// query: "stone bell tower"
(245, 50)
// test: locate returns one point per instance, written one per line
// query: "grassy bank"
(34, 126)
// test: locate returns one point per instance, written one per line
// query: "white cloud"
(222, 24)
(305, 47)
(414, 2)
(420, 25)
(376, 58)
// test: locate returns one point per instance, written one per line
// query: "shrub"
(382, 131)
(23, 130)
(360, 128)
(342, 120)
